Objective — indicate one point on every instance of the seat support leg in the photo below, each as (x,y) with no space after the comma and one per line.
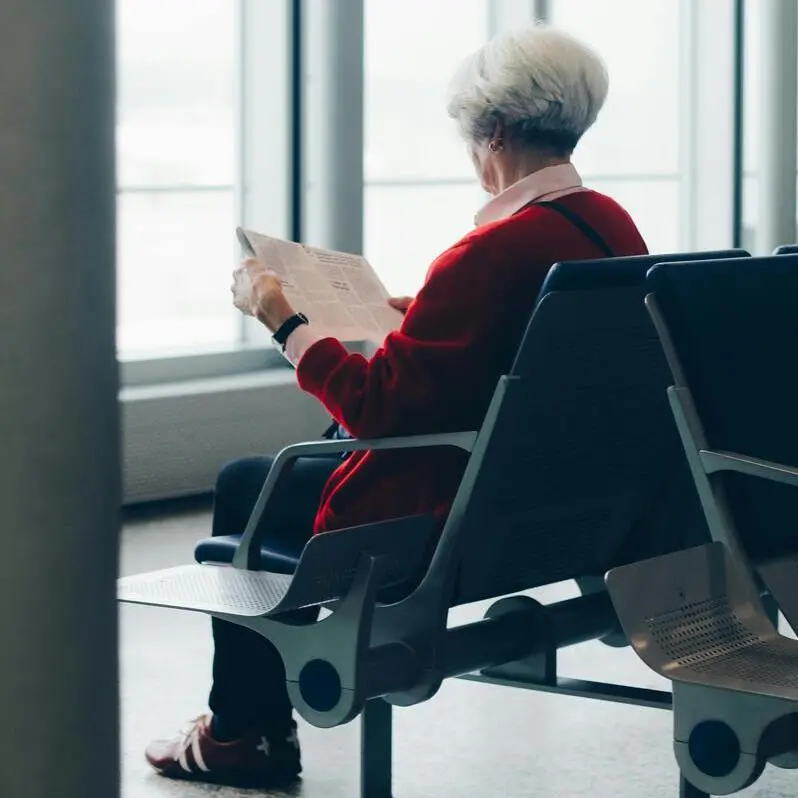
(376,749)
(687,790)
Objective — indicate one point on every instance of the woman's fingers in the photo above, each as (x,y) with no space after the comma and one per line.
(400,303)
(241,289)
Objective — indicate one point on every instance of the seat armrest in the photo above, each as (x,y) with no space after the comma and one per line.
(461,440)
(714,461)
(247,555)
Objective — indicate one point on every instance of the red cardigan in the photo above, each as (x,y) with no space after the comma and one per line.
(437,373)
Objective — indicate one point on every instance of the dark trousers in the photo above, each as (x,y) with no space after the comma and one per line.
(249,689)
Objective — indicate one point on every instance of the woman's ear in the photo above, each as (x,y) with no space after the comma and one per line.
(496,143)
(484,165)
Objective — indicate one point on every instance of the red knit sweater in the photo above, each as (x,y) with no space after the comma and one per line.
(437,373)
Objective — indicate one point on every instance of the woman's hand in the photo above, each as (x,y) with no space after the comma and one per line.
(258,292)
(400,303)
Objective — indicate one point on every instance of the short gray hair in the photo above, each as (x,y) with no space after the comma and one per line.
(543,87)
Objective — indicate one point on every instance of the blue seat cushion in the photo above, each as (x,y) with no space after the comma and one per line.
(276,560)
(274,557)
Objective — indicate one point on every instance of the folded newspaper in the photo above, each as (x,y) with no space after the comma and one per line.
(341,294)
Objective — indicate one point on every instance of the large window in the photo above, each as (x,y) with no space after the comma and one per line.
(176,134)
(633,153)
(194,160)
(421,192)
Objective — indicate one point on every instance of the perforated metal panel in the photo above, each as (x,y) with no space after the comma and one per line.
(693,617)
(708,637)
(325,572)
(207,588)
(699,631)
(773,662)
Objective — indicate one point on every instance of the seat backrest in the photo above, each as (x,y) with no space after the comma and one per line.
(786,249)
(580,275)
(734,327)
(579,467)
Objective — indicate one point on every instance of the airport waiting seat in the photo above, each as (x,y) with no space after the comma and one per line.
(786,249)
(281,557)
(730,332)
(577,468)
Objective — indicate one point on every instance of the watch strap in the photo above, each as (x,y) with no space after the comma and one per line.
(287,327)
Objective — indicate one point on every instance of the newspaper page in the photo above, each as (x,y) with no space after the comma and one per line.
(341,294)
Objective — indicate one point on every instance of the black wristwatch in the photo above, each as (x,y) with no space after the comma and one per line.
(287,327)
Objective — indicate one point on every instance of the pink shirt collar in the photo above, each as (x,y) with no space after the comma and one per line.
(548,183)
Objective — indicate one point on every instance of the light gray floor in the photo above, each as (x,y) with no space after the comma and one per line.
(470,739)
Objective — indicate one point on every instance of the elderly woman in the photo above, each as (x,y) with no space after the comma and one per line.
(522,103)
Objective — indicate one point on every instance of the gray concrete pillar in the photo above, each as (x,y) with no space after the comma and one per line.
(779,97)
(59,472)
(332,124)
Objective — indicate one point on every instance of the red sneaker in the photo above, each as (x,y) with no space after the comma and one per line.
(255,760)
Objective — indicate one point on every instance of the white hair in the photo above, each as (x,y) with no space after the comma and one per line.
(542,86)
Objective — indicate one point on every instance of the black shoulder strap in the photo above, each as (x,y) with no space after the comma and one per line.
(579,222)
